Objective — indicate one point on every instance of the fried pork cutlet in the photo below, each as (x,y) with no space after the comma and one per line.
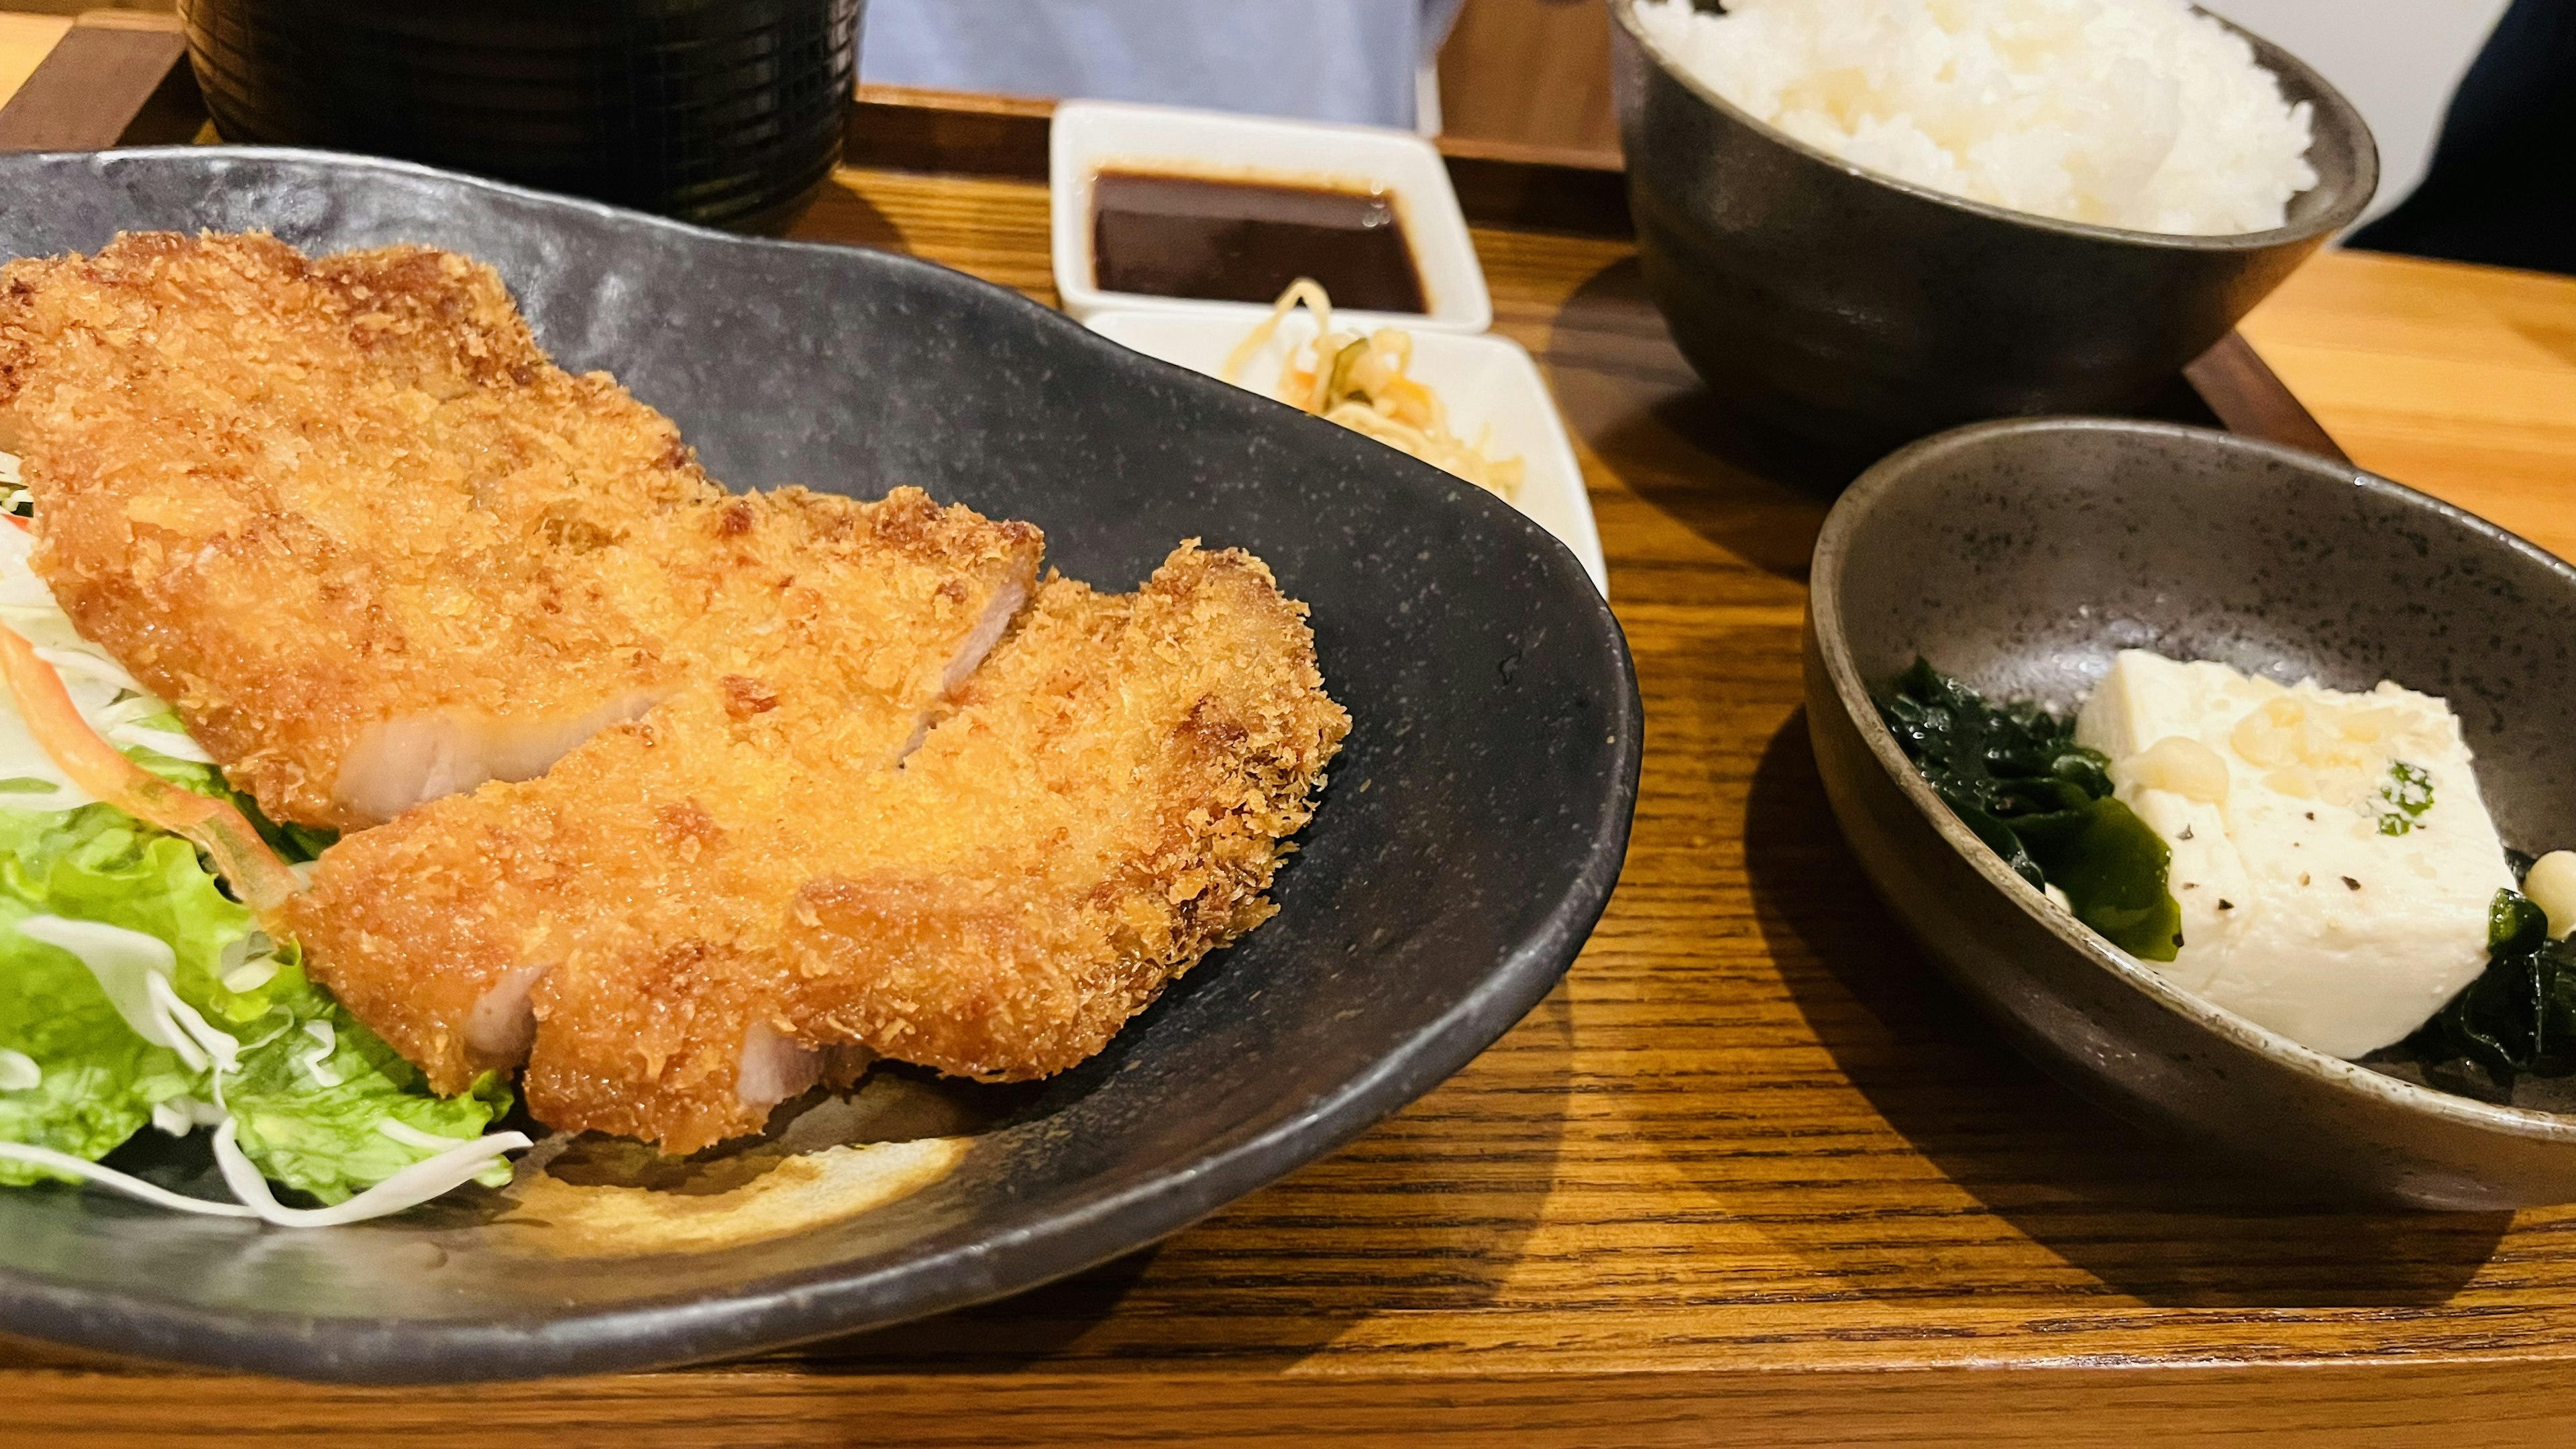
(658,826)
(343,513)
(831,630)
(706,908)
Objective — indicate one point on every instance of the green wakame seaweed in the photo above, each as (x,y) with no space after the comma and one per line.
(2014,775)
(2519,1017)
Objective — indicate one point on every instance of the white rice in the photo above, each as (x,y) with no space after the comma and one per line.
(2131,113)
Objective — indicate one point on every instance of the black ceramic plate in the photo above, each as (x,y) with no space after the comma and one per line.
(1469,839)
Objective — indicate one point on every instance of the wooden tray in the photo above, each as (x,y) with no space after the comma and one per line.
(1750,1176)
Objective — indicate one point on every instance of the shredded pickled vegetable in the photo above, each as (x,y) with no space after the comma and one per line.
(1365,384)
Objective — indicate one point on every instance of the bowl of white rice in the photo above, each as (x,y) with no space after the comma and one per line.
(1867,220)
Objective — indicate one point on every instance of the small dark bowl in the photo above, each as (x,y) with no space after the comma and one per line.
(2020,556)
(727,113)
(1474,826)
(1844,305)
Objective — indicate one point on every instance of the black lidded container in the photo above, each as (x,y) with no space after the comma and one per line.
(727,113)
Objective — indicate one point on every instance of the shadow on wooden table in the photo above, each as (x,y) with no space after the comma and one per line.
(1627,394)
(2160,1221)
(1290,1269)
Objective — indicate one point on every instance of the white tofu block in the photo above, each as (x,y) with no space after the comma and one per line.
(2305,907)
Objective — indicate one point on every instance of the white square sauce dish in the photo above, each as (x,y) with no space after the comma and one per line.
(1203,206)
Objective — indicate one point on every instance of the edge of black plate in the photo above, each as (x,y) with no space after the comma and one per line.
(777,1312)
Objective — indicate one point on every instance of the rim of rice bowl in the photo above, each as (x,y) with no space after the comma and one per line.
(2283,65)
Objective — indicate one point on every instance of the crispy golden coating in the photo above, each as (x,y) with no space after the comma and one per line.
(304,500)
(1104,804)
(829,634)
(466,930)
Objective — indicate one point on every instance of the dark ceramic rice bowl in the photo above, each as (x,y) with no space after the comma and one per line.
(1830,300)
(1476,821)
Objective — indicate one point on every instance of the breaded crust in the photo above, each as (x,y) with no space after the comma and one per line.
(301,498)
(829,634)
(1105,806)
(1104,802)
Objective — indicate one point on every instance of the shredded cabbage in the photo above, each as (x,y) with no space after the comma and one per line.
(115,953)
(135,993)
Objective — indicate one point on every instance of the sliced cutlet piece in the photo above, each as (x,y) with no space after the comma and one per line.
(1105,804)
(826,633)
(688,833)
(343,513)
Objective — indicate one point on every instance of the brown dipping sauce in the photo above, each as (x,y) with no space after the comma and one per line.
(1245,241)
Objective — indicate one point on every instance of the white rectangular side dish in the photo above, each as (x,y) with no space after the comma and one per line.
(1482,381)
(1089,136)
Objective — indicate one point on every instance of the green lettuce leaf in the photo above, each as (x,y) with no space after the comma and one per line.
(312,1115)
(98,863)
(100,1081)
(309,1119)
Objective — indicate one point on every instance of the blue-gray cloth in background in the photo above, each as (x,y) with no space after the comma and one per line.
(1325,60)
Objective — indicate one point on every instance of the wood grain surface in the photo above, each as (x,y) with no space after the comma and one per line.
(124,68)
(1750,1176)
(25,41)
(2459,380)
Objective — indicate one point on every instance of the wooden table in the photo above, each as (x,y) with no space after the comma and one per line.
(1750,1175)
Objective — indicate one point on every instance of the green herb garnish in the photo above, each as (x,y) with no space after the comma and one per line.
(2015,776)
(2404,799)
